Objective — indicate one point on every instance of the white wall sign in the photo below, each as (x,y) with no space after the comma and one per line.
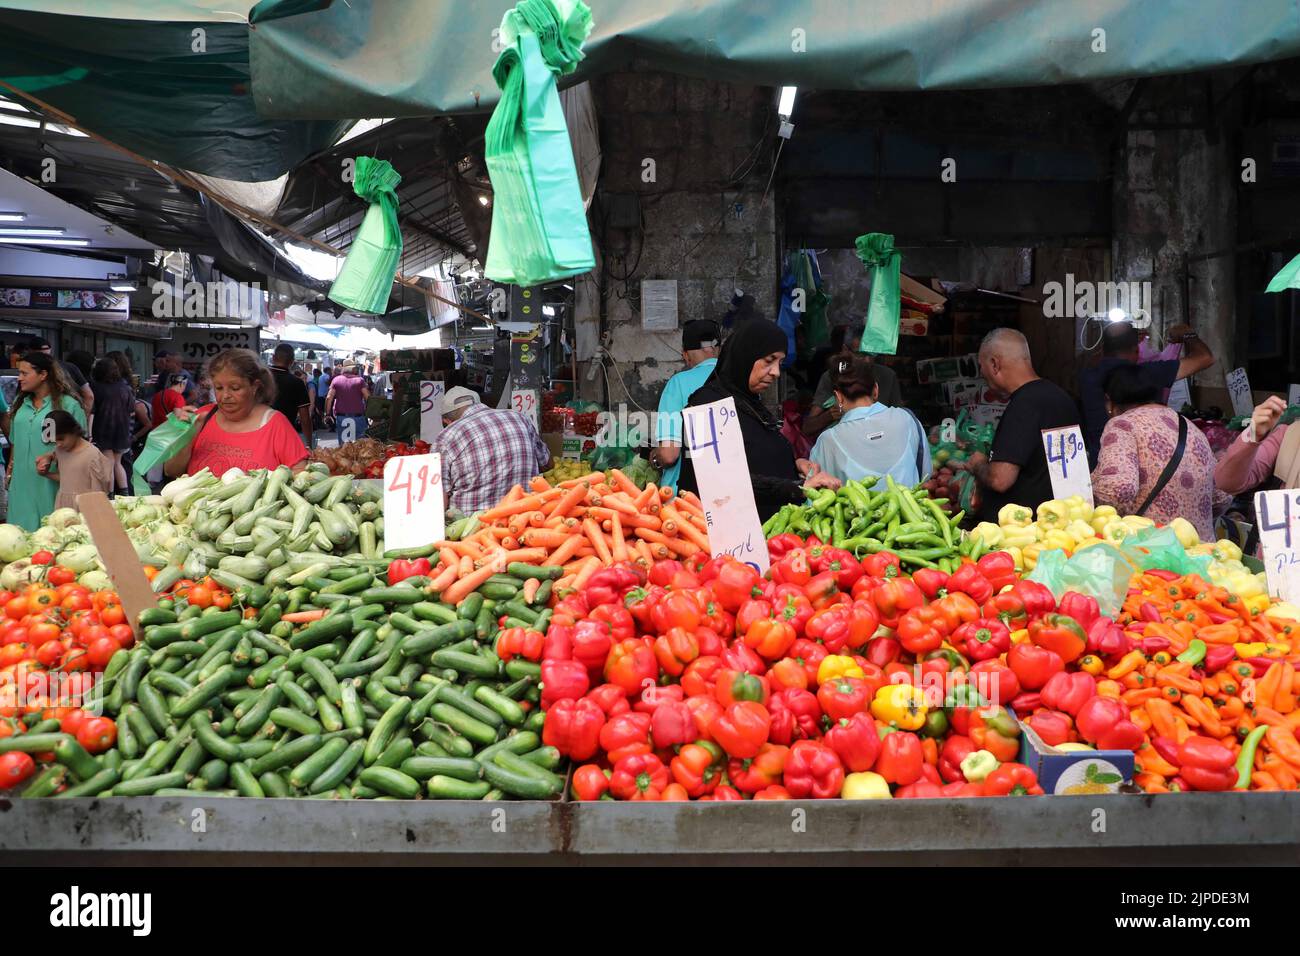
(722,472)
(1067,462)
(414,513)
(1239,392)
(431,410)
(1278,513)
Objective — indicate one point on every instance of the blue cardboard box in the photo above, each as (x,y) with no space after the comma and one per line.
(1074,772)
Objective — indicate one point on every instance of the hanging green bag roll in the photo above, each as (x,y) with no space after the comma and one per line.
(366,279)
(876,250)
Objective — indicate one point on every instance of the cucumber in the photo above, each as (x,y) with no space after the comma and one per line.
(140,725)
(289,753)
(469,608)
(521,742)
(328,714)
(475,730)
(383,731)
(395,753)
(338,770)
(190,759)
(211,776)
(272,784)
(104,780)
(423,768)
(76,758)
(424,641)
(430,749)
(49,781)
(498,591)
(507,709)
(436,613)
(337,624)
(324,678)
(543,572)
(294,694)
(209,623)
(463,702)
(470,664)
(448,739)
(213,742)
(359,645)
(295,720)
(517,784)
(309,769)
(144,786)
(547,758)
(517,764)
(392,782)
(350,706)
(260,712)
(442,787)
(155,615)
(244,781)
(204,691)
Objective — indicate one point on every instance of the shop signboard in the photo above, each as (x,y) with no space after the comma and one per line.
(195,346)
(718,455)
(527,402)
(526,360)
(102,302)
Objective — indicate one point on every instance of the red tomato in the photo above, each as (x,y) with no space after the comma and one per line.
(43,631)
(124,636)
(73,720)
(97,734)
(12,654)
(76,601)
(81,620)
(50,653)
(102,599)
(222,600)
(59,576)
(43,557)
(93,632)
(40,599)
(6,597)
(11,632)
(15,768)
(100,650)
(16,609)
(77,685)
(201,596)
(112,615)
(75,660)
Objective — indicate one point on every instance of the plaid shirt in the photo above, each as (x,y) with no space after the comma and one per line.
(485,453)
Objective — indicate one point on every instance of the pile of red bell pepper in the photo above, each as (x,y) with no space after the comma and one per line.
(706,681)
(397,450)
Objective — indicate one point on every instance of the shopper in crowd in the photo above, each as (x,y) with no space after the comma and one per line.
(241,430)
(84,363)
(166,363)
(1153,462)
(871,439)
(75,466)
(80,385)
(345,403)
(485,451)
(749,364)
(322,389)
(1265,456)
(170,395)
(1015,470)
(111,426)
(1119,346)
(42,388)
(291,397)
(825,412)
(701,340)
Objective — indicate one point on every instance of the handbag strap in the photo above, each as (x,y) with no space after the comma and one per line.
(1170,468)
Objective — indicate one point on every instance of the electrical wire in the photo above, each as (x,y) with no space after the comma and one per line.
(602,351)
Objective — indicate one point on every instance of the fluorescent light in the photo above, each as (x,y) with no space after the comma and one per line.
(120,283)
(32,230)
(12,216)
(33,241)
(481,328)
(548,310)
(1117,315)
(19,121)
(785,106)
(11,105)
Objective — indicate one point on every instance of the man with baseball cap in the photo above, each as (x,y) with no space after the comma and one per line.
(485,451)
(701,340)
(73,374)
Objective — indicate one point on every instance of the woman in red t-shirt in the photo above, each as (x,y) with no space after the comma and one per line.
(241,430)
(169,396)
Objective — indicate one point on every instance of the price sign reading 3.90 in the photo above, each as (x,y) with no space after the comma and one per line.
(413,505)
(1067,462)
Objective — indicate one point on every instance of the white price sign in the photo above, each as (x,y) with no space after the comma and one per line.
(431,410)
(1293,395)
(1067,462)
(1179,395)
(1239,392)
(414,514)
(718,454)
(526,402)
(1278,514)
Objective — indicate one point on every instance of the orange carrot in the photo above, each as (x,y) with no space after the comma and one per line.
(587,571)
(643,549)
(624,483)
(597,539)
(303,617)
(514,494)
(530,589)
(666,493)
(643,499)
(539,484)
(544,538)
(569,501)
(566,549)
(466,565)
(468,584)
(527,556)
(447,556)
(619,549)
(618,503)
(512,506)
(536,519)
(445,578)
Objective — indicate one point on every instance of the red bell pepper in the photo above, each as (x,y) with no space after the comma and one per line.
(787,672)
(969,580)
(963,788)
(956,609)
(895,598)
(713,616)
(400,570)
(844,566)
(843,697)
(654,696)
(742,728)
(617,618)
(996,682)
(674,650)
(955,749)
(700,676)
(999,569)
(792,568)
(882,564)
(805,709)
(672,724)
(1038,598)
(922,629)
(675,609)
(1107,639)
(813,770)
(774,792)
(733,584)
(723,792)
(592,641)
(782,544)
(590,782)
(522,642)
(750,613)
(573,728)
(1206,764)
(770,638)
(630,665)
(1081,607)
(1007,607)
(901,758)
(789,604)
(705,710)
(639,777)
(1033,665)
(843,626)
(696,767)
(640,603)
(1026,703)
(883,650)
(982,639)
(1052,726)
(922,789)
(1012,780)
(610,698)
(562,680)
(625,735)
(1218,657)
(1104,722)
(1069,692)
(855,741)
(608,585)
(710,642)
(932,582)
(558,645)
(810,654)
(740,658)
(733,686)
(759,772)
(569,610)
(994,729)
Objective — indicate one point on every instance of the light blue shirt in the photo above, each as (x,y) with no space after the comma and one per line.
(668,423)
(877,440)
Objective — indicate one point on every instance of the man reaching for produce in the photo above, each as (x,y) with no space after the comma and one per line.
(485,451)
(700,341)
(1015,471)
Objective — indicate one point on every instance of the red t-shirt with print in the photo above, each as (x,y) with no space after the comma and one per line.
(274,444)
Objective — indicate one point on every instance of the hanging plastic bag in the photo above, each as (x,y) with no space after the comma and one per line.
(1100,571)
(539,225)
(1158,548)
(876,250)
(366,279)
(163,444)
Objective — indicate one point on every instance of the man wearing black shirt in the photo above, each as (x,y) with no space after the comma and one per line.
(291,398)
(80,387)
(1015,470)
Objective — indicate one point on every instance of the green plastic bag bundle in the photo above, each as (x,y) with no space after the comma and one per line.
(163,443)
(366,278)
(1158,548)
(539,225)
(817,327)
(876,250)
(1102,572)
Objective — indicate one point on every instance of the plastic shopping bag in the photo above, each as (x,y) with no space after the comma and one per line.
(1100,571)
(163,443)
(876,250)
(366,279)
(1158,548)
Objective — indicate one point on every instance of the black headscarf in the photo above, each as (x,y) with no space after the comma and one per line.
(750,341)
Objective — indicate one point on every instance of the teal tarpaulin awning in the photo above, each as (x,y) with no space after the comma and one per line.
(411,57)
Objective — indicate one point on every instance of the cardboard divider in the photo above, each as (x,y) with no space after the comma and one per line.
(1074,772)
(118,554)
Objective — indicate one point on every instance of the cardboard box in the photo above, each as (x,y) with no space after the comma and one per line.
(1074,772)
(118,554)
(913,326)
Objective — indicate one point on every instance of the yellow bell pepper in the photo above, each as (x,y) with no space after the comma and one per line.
(1021,636)
(1021,537)
(1227,551)
(1115,531)
(1016,555)
(865,786)
(1137,522)
(1031,556)
(1080,530)
(837,665)
(1102,516)
(1015,516)
(899,704)
(1185,531)
(1053,514)
(1281,611)
(1078,508)
(1088,543)
(1091,664)
(991,534)
(1253,649)
(1057,538)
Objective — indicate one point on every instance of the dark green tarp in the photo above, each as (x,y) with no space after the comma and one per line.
(141,83)
(408,57)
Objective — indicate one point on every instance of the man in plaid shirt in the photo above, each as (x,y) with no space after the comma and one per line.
(485,451)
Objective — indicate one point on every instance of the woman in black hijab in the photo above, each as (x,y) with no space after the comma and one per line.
(751,362)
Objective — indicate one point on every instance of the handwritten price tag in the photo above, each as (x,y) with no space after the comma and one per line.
(431,410)
(413,508)
(526,402)
(1067,462)
(718,456)
(1278,513)
(1239,391)
(1179,395)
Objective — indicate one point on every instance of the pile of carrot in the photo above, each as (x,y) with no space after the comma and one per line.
(1174,700)
(581,525)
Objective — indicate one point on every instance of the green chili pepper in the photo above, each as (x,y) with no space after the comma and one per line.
(1246,759)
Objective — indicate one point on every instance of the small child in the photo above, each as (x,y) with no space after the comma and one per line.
(81,467)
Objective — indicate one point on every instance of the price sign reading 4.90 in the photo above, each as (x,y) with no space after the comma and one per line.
(1278,513)
(1067,462)
(413,506)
